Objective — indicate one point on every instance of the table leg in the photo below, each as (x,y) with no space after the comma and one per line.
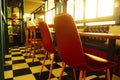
(111,49)
(111,52)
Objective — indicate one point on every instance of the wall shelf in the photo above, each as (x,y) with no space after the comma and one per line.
(15,21)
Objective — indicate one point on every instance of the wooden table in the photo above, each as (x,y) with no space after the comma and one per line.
(111,44)
(101,35)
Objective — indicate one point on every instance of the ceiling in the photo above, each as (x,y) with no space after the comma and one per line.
(29,5)
(32,5)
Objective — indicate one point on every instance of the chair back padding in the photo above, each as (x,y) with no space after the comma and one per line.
(68,41)
(46,36)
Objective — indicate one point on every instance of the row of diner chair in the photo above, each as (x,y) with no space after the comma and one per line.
(32,41)
(69,48)
(46,41)
(65,48)
(49,48)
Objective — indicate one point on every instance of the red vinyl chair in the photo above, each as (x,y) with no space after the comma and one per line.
(71,52)
(27,39)
(34,42)
(47,42)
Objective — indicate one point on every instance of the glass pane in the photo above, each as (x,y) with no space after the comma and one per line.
(46,8)
(78,9)
(51,4)
(70,7)
(105,8)
(49,16)
(91,6)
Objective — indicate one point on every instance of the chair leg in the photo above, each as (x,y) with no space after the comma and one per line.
(35,48)
(63,67)
(52,59)
(43,62)
(74,72)
(108,74)
(81,75)
(30,50)
(84,75)
(26,49)
(39,48)
(33,56)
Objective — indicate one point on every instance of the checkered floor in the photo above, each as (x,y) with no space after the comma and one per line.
(18,66)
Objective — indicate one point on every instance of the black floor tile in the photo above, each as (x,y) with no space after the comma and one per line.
(9,79)
(7,59)
(67,77)
(43,76)
(14,55)
(9,67)
(31,64)
(55,66)
(18,61)
(20,72)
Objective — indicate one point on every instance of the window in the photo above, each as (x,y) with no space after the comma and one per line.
(50,11)
(51,4)
(99,8)
(93,9)
(50,16)
(46,6)
(70,7)
(105,8)
(79,9)
(91,6)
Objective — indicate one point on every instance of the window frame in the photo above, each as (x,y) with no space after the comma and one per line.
(97,18)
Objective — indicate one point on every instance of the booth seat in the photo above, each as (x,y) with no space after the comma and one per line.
(95,42)
(99,46)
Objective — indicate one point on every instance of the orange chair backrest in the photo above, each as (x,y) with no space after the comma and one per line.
(68,41)
(46,36)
